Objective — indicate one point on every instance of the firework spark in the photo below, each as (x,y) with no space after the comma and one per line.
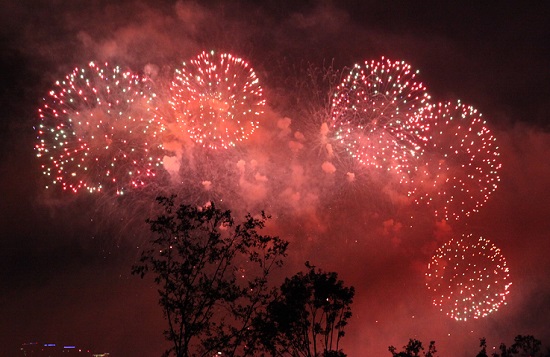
(217,99)
(96,131)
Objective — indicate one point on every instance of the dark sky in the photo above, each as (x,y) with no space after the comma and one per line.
(65,259)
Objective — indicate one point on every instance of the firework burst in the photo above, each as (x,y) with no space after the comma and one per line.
(459,170)
(96,131)
(468,278)
(217,99)
(376,113)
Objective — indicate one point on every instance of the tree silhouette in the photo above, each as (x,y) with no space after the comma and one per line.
(413,349)
(309,316)
(483,345)
(523,346)
(212,277)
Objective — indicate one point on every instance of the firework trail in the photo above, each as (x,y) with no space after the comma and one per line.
(96,131)
(377,115)
(217,99)
(468,278)
(459,169)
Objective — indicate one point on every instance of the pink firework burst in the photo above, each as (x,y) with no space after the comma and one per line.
(377,115)
(468,277)
(460,166)
(217,99)
(96,131)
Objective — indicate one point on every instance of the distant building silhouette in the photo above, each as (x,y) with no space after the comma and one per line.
(36,349)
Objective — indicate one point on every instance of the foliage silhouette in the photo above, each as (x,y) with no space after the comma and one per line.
(309,316)
(523,346)
(413,349)
(212,277)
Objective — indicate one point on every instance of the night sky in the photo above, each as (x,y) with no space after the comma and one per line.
(65,259)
